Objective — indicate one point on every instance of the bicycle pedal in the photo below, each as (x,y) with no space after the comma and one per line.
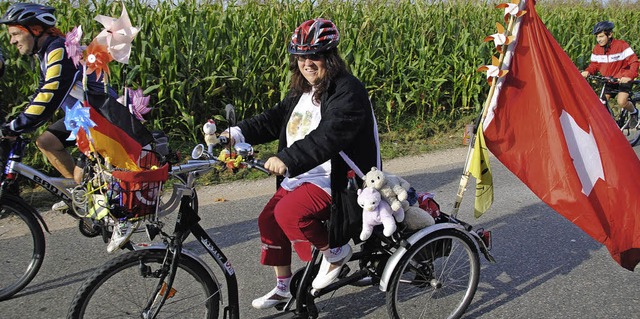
(344,271)
(283,306)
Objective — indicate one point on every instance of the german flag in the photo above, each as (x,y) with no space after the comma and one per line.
(117,135)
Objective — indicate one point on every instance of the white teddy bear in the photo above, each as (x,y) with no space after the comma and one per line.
(392,188)
(376,211)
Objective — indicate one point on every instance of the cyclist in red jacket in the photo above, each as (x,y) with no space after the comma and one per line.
(615,58)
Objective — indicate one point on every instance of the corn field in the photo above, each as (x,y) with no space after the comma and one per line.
(418,58)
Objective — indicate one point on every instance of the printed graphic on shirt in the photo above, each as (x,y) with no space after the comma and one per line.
(304,119)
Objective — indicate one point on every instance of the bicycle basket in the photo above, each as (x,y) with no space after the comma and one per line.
(135,194)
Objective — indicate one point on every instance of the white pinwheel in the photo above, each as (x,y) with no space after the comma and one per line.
(117,35)
(511,9)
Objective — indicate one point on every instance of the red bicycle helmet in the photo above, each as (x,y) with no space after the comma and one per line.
(28,14)
(314,36)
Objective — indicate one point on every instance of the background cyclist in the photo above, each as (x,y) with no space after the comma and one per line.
(32,30)
(614,58)
(1,63)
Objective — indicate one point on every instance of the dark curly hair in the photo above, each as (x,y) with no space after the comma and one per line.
(335,66)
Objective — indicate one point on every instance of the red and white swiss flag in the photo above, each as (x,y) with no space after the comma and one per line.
(547,125)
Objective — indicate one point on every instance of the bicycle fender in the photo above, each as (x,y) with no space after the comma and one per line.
(186,252)
(18,200)
(393,261)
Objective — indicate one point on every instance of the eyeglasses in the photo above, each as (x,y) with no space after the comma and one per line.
(312,57)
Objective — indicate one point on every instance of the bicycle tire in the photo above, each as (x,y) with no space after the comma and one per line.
(23,245)
(629,127)
(118,289)
(436,278)
(634,141)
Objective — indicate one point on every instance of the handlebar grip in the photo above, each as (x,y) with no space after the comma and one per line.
(259,165)
(259,162)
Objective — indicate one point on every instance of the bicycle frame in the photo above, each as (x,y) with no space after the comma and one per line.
(188,223)
(56,185)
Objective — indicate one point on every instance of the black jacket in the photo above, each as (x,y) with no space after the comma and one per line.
(346,125)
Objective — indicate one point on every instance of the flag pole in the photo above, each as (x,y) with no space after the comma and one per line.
(464,178)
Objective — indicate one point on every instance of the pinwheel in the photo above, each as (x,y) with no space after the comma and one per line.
(73,46)
(97,58)
(511,9)
(117,35)
(139,103)
(76,118)
(500,39)
(493,70)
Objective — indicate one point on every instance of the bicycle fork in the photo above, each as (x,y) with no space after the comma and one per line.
(164,290)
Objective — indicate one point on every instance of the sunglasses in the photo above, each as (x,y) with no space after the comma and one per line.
(312,57)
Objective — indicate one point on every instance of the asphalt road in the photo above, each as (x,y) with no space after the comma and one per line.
(546,266)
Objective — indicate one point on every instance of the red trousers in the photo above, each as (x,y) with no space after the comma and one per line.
(294,218)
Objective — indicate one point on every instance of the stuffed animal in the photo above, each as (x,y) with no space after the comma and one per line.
(376,211)
(416,218)
(209,130)
(392,188)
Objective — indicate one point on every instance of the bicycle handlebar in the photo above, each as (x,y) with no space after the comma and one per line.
(607,79)
(207,161)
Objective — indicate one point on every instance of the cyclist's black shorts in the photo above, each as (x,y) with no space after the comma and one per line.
(60,131)
(615,88)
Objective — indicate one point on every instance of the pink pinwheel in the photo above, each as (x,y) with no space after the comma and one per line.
(139,103)
(73,46)
(117,35)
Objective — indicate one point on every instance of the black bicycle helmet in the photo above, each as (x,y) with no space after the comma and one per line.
(28,14)
(314,36)
(606,26)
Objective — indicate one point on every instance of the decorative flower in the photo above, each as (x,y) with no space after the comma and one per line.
(76,118)
(500,39)
(138,103)
(117,35)
(97,58)
(511,9)
(493,70)
(73,46)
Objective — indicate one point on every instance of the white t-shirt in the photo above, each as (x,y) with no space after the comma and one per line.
(304,119)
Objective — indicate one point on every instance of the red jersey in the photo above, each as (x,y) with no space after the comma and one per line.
(617,61)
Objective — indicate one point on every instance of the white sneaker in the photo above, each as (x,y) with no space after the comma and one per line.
(271,299)
(60,206)
(341,256)
(122,231)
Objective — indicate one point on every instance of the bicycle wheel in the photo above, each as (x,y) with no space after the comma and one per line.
(23,245)
(123,286)
(629,126)
(436,278)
